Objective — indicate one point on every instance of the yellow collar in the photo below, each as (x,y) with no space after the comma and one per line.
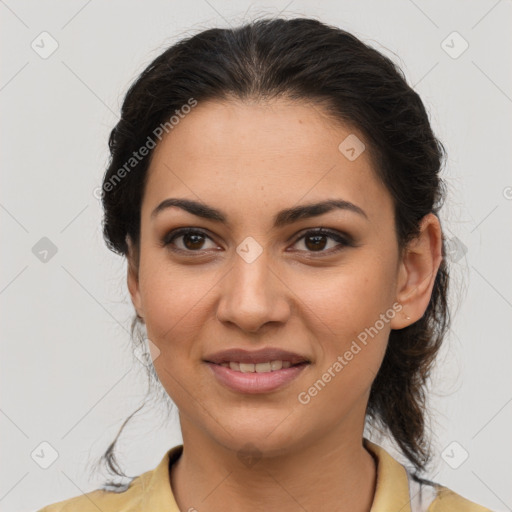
(392,489)
(391,493)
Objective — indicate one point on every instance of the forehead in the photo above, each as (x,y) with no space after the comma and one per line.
(253,155)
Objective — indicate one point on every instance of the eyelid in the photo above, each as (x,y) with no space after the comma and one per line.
(176,233)
(342,238)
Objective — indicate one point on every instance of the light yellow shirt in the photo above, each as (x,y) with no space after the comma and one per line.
(395,491)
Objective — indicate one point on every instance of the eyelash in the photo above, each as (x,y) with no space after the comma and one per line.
(344,240)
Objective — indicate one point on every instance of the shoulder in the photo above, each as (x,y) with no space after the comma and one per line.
(149,491)
(447,500)
(428,496)
(102,499)
(398,485)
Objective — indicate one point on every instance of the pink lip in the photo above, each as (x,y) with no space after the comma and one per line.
(255,382)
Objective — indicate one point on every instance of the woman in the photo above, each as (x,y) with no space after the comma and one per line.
(275,189)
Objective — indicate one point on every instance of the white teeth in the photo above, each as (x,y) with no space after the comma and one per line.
(247,367)
(262,367)
(269,366)
(276,365)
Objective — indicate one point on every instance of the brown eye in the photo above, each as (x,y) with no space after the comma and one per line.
(192,240)
(314,242)
(317,240)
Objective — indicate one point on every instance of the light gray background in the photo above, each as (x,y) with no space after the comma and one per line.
(67,373)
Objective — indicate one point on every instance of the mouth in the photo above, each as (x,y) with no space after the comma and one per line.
(259,371)
(265,356)
(265,367)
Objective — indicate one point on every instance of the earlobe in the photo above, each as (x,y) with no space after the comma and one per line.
(418,269)
(132,278)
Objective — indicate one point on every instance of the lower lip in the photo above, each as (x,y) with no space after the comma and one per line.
(254,382)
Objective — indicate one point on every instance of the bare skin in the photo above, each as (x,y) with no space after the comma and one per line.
(251,160)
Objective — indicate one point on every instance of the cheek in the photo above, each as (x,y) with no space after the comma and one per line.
(175,310)
(175,301)
(348,314)
(349,299)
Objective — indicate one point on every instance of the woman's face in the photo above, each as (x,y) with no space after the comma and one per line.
(262,278)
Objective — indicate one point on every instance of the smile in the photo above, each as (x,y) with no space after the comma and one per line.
(252,378)
(269,366)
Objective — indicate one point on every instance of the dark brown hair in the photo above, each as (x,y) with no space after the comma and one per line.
(304,59)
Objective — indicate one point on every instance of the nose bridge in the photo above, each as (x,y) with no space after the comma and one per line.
(250,293)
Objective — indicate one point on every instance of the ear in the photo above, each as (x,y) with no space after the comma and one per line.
(133,277)
(417,272)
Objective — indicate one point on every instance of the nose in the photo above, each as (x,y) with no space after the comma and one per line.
(253,295)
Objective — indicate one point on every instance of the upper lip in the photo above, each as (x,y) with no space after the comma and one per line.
(255,356)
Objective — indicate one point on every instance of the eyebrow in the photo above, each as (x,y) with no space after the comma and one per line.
(282,218)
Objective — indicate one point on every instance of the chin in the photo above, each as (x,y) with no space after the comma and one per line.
(261,437)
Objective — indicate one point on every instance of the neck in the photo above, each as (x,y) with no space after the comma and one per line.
(332,472)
